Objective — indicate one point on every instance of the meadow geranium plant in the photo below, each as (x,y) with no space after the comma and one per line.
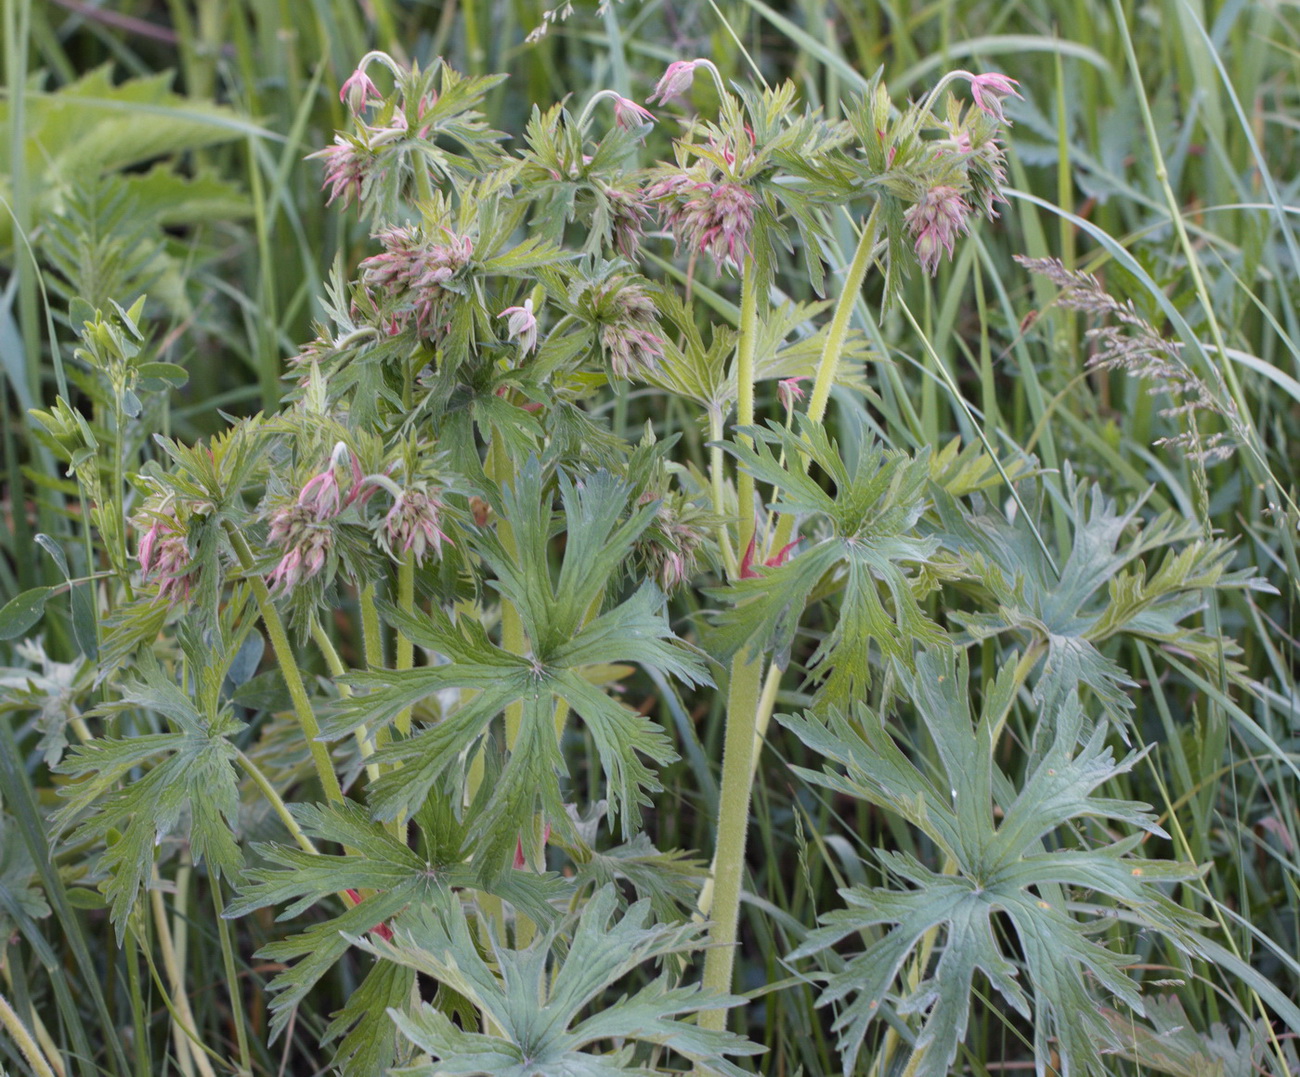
(366,656)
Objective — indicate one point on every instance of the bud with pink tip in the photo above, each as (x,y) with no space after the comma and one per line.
(358,91)
(677,79)
(522,325)
(789,391)
(629,115)
(988,90)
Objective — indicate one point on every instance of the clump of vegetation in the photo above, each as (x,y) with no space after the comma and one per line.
(444,687)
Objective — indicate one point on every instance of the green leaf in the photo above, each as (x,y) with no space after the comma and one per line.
(23,611)
(401,884)
(563,640)
(997,861)
(536,998)
(192,776)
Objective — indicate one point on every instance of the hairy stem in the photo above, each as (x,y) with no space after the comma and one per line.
(26,1044)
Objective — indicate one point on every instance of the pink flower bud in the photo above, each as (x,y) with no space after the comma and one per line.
(989,90)
(629,115)
(788,391)
(522,325)
(358,91)
(677,79)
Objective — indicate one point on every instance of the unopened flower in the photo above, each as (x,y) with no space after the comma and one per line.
(414,270)
(672,543)
(164,556)
(627,319)
(346,163)
(411,526)
(788,391)
(321,495)
(306,542)
(358,91)
(707,217)
(937,218)
(629,115)
(989,90)
(677,79)
(522,325)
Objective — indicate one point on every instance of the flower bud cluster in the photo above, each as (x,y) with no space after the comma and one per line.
(415,271)
(706,216)
(412,526)
(164,555)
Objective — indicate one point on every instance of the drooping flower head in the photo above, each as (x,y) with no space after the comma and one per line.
(676,80)
(412,525)
(989,91)
(629,115)
(935,221)
(415,270)
(305,542)
(706,216)
(627,324)
(164,556)
(358,91)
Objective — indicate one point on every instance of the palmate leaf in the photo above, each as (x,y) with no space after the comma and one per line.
(195,778)
(547,1005)
(997,862)
(553,614)
(400,882)
(1103,590)
(872,512)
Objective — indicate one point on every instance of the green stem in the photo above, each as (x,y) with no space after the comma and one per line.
(372,636)
(744,697)
(863,257)
(749,286)
(288,665)
(733,824)
(716,469)
(232,984)
(405,658)
(276,801)
(833,345)
(337,670)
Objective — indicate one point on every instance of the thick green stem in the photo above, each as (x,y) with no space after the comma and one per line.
(743,699)
(288,666)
